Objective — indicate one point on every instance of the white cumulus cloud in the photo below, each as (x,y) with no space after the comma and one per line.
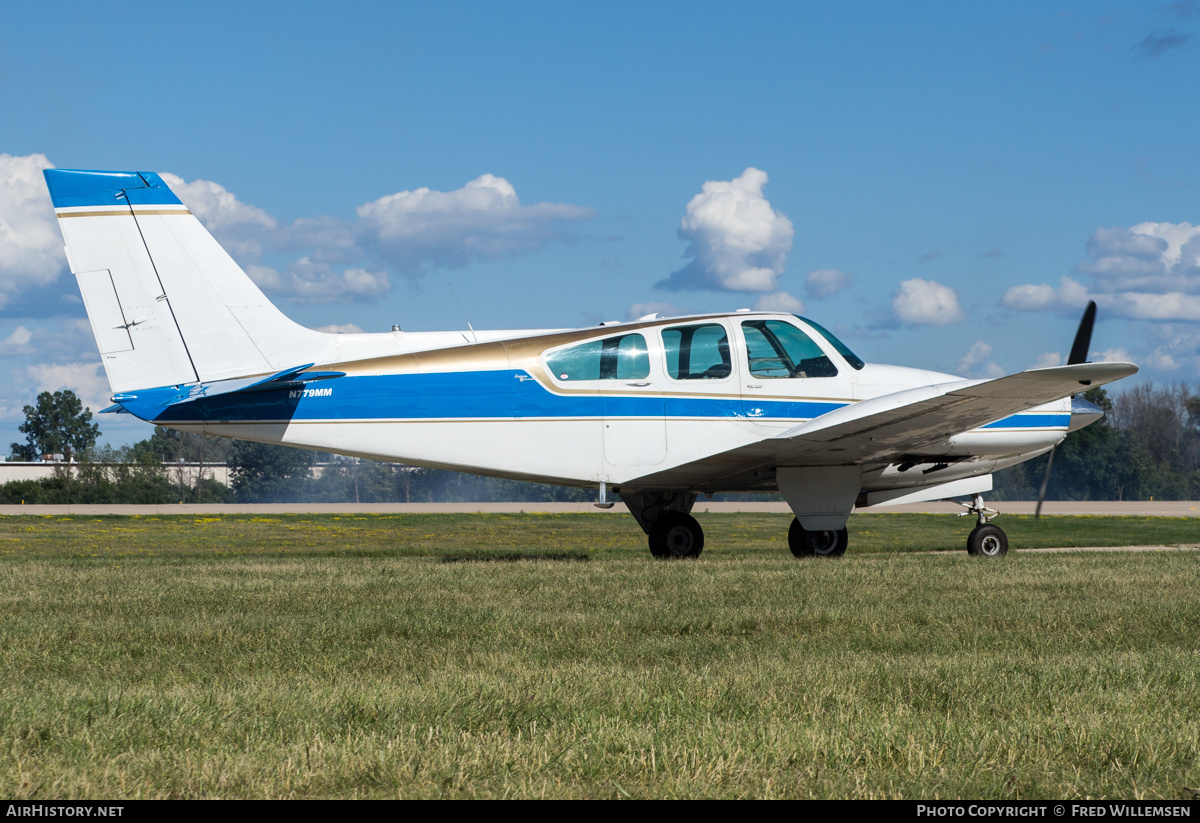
(340,328)
(306,281)
(241,228)
(404,233)
(87,380)
(1150,271)
(927,303)
(824,282)
(61,339)
(1143,306)
(1070,294)
(1175,346)
(978,352)
(977,363)
(31,247)
(218,207)
(737,242)
(1117,355)
(779,301)
(639,310)
(417,229)
(17,342)
(1161,360)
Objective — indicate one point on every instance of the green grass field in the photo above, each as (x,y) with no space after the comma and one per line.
(316,656)
(554,536)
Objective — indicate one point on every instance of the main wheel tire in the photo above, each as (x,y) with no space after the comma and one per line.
(987,541)
(828,543)
(676,534)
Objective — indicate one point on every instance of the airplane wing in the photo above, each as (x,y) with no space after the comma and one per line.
(906,422)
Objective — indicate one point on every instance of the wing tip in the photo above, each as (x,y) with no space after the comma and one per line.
(1107,370)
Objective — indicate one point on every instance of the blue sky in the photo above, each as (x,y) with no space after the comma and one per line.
(943,166)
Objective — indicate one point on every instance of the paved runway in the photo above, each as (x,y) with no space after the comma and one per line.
(1185,508)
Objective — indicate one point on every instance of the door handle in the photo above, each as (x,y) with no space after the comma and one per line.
(754,385)
(639,385)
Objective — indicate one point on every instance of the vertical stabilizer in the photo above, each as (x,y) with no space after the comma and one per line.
(167,304)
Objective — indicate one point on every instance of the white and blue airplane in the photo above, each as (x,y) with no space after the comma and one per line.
(657,411)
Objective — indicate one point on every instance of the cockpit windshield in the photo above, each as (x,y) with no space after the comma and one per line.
(851,358)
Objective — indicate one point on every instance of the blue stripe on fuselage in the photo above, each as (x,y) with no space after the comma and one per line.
(1032,421)
(508,394)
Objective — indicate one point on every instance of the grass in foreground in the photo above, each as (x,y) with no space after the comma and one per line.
(747,673)
(482,536)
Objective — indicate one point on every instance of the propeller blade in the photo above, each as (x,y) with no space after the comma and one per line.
(1037,513)
(1079,353)
(1083,337)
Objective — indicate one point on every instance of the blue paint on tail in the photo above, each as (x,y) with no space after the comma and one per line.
(78,187)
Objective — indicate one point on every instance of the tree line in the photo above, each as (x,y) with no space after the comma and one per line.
(1147,446)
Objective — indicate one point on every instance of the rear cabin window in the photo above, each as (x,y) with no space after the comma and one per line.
(697,352)
(778,349)
(614,358)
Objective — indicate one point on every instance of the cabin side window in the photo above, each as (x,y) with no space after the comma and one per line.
(778,349)
(697,352)
(614,358)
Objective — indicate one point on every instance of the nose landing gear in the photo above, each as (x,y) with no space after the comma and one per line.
(985,540)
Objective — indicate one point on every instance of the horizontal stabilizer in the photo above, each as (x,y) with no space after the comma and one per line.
(150,401)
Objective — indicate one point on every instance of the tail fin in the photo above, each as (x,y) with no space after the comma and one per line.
(167,304)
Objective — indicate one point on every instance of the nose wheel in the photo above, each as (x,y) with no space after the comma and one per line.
(985,540)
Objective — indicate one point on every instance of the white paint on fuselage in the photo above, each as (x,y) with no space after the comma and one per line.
(585,451)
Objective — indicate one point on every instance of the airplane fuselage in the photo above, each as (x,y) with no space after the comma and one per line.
(499,407)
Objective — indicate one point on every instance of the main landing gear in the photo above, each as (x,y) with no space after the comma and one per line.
(673,532)
(805,543)
(985,540)
(665,518)
(676,535)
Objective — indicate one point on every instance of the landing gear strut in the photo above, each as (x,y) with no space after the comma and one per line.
(805,543)
(985,540)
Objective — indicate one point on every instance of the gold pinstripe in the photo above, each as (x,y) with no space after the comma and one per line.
(526,353)
(119,213)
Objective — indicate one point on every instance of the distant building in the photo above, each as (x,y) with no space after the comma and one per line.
(11,470)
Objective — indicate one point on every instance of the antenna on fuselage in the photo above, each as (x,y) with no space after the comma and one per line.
(474,339)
